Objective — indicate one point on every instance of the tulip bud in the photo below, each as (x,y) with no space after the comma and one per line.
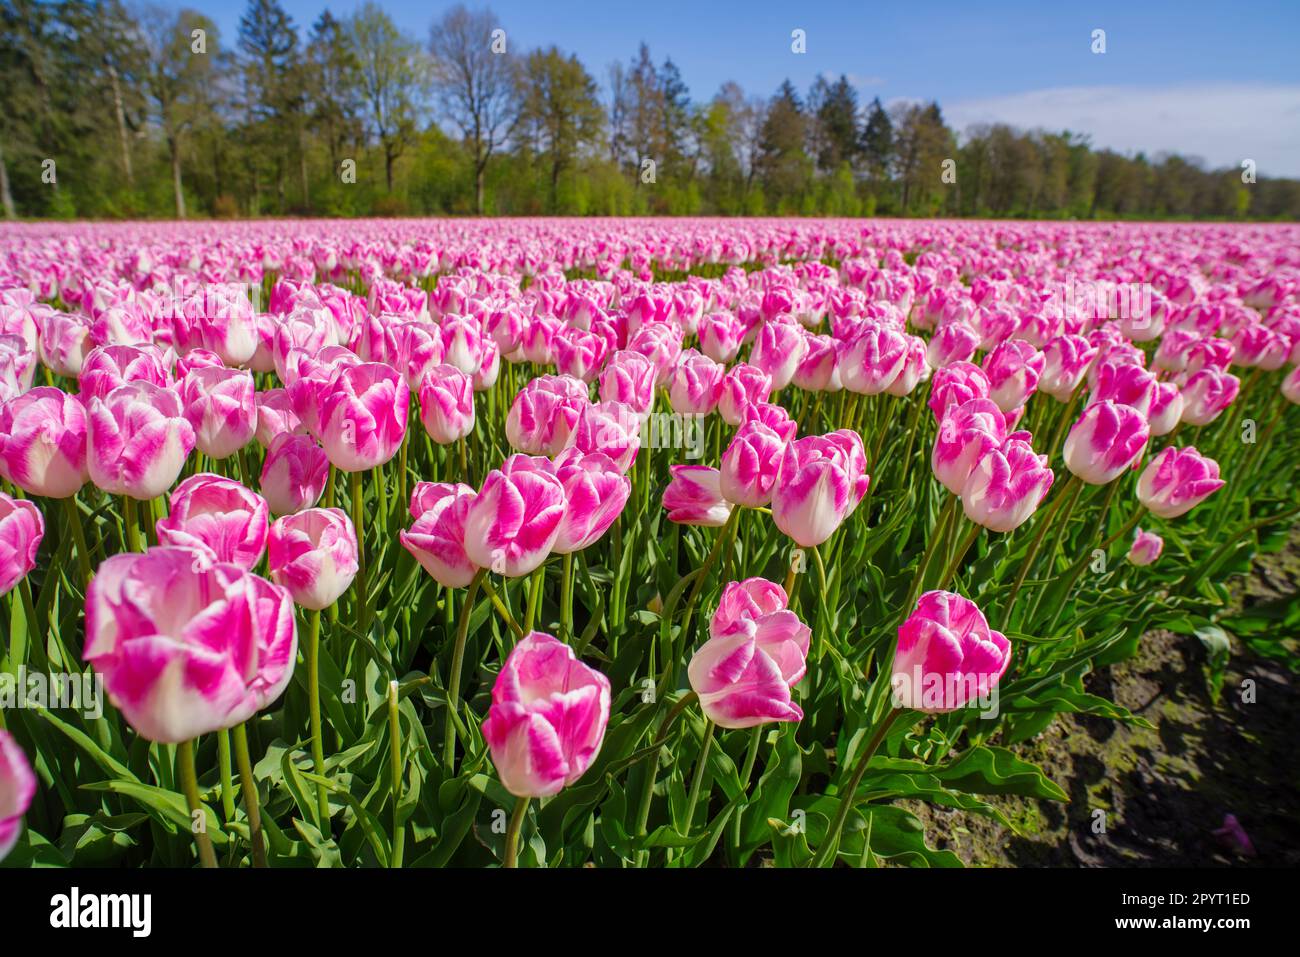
(447,404)
(294,474)
(1006,486)
(219,516)
(21,529)
(1107,439)
(137,440)
(967,433)
(1146,548)
(750,465)
(43,442)
(313,554)
(363,416)
(17,788)
(219,404)
(694,496)
(595,493)
(1177,480)
(947,656)
(821,481)
(513,522)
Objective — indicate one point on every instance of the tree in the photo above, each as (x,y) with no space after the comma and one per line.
(922,143)
(392,81)
(560,110)
(835,112)
(473,75)
(333,79)
(274,88)
(783,165)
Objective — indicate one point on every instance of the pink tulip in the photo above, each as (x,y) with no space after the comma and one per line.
(276,417)
(951,342)
(462,341)
(219,404)
(967,433)
(778,350)
(197,359)
(1006,486)
(1166,408)
(579,354)
(65,342)
(821,481)
(720,336)
(629,377)
(742,385)
(437,539)
(294,473)
(947,656)
(1126,384)
(694,496)
(43,442)
(1258,346)
(313,554)
(818,370)
(363,416)
(187,647)
(914,371)
(1066,360)
(775,417)
(1014,368)
(872,360)
(545,413)
(548,717)
(108,367)
(1146,548)
(21,529)
(219,516)
(696,384)
(955,384)
(514,521)
(447,404)
(231,332)
(17,788)
(307,329)
(757,651)
(1291,386)
(612,428)
(1107,440)
(1206,393)
(750,465)
(595,493)
(661,343)
(137,440)
(1209,353)
(1177,480)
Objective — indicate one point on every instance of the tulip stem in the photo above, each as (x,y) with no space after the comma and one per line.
(78,538)
(1043,523)
(534,597)
(198,814)
(248,784)
(751,756)
(502,610)
(701,768)
(313,705)
(566,599)
(958,555)
(358,520)
(512,833)
(652,770)
(453,679)
(227,776)
(132,523)
(932,547)
(395,755)
(830,846)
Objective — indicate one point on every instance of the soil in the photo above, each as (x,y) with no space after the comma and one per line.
(1163,791)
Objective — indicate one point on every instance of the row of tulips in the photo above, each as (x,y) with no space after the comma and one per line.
(421,565)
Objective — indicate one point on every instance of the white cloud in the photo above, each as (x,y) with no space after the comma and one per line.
(1220,124)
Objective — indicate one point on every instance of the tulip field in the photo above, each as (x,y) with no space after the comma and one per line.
(613,543)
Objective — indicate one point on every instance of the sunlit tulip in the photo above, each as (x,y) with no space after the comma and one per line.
(276,416)
(1166,408)
(21,529)
(437,539)
(956,384)
(17,788)
(595,492)
(778,350)
(1291,386)
(447,404)
(137,440)
(513,522)
(1006,486)
(720,336)
(184,646)
(696,384)
(871,361)
(1126,384)
(43,442)
(578,353)
(219,404)
(1146,548)
(694,496)
(363,416)
(611,428)
(65,342)
(629,378)
(822,479)
(108,367)
(313,554)
(966,434)
(952,342)
(1206,393)
(743,385)
(1105,441)
(218,515)
(548,717)
(818,370)
(545,413)
(1066,360)
(750,465)
(1014,368)
(1177,480)
(946,656)
(294,473)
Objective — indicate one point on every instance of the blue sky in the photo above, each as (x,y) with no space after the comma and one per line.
(1206,79)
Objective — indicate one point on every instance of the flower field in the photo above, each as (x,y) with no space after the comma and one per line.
(614,543)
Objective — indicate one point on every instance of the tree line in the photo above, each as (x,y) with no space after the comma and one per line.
(114,111)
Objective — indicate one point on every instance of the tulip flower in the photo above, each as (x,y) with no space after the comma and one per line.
(818,370)
(462,343)
(720,336)
(694,496)
(313,555)
(1291,386)
(822,479)
(595,493)
(1206,393)
(955,384)
(1124,383)
(548,717)
(1177,480)
(951,342)
(294,474)
(629,378)
(1066,360)
(870,362)
(946,656)
(1107,439)
(1166,408)
(137,439)
(661,343)
(612,428)
(545,413)
(778,350)
(186,647)
(447,404)
(437,539)
(21,529)
(750,465)
(1006,486)
(43,442)
(17,788)
(65,342)
(108,367)
(363,416)
(696,384)
(755,654)
(1146,548)
(276,416)
(514,521)
(219,404)
(742,386)
(578,353)
(1014,368)
(967,433)
(219,516)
